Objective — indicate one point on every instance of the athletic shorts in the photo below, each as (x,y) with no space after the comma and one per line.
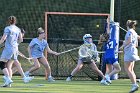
(35,56)
(9,53)
(86,60)
(131,54)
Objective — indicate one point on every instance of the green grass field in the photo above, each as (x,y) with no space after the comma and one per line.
(39,85)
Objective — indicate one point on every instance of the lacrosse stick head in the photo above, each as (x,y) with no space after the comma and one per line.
(83,51)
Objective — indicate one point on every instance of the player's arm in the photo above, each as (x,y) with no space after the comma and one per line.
(3,38)
(29,51)
(125,43)
(51,51)
(32,43)
(6,32)
(138,37)
(20,38)
(100,39)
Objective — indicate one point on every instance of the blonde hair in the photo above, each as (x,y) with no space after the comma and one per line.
(131,23)
(40,30)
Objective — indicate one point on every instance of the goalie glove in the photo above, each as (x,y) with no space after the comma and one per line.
(95,55)
(97,59)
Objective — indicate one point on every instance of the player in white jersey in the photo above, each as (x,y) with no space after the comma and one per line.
(13,36)
(131,53)
(36,51)
(88,40)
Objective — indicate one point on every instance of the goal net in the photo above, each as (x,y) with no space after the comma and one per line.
(65,31)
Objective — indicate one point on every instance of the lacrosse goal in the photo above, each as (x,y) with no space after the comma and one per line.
(65,31)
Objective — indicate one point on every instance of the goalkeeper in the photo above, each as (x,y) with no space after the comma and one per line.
(88,60)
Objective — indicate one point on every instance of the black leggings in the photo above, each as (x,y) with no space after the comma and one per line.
(2,65)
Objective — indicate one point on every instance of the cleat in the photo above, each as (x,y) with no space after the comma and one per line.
(103,82)
(7,81)
(68,79)
(108,79)
(27,79)
(50,79)
(6,85)
(134,88)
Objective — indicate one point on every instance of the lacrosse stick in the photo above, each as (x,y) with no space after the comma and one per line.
(113,23)
(29,59)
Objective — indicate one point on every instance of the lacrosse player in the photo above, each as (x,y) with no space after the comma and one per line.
(36,51)
(12,36)
(130,45)
(87,38)
(111,59)
(110,56)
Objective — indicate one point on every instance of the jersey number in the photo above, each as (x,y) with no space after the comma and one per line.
(110,45)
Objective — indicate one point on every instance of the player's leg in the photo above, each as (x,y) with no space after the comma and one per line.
(108,69)
(95,68)
(5,58)
(6,76)
(76,69)
(116,69)
(45,63)
(132,69)
(14,69)
(20,70)
(130,72)
(134,86)
(34,67)
(9,67)
(128,69)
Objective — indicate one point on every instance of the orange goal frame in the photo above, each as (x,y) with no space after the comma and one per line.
(71,14)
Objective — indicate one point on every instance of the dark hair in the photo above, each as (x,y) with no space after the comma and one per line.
(12,19)
(22,31)
(131,23)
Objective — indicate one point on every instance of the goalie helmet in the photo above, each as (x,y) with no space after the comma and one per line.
(85,37)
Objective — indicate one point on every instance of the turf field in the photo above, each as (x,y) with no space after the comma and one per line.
(39,85)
